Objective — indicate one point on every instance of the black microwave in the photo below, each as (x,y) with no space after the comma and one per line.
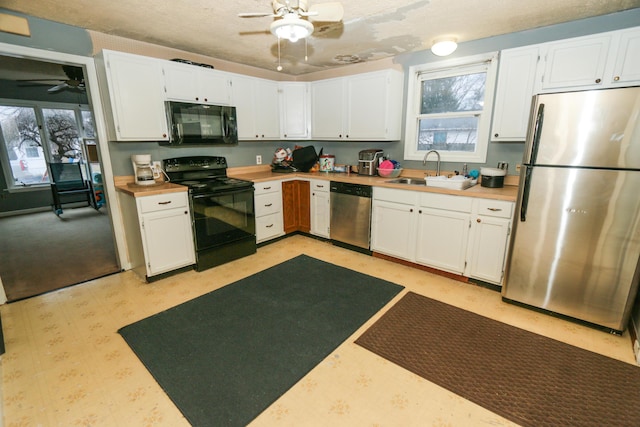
(201,124)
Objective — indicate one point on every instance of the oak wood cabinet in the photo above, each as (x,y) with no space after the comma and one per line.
(296,206)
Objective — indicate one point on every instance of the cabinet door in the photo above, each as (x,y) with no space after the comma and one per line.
(367,106)
(626,70)
(243,98)
(137,97)
(393,228)
(328,109)
(514,90)
(214,87)
(576,63)
(267,115)
(168,240)
(488,248)
(320,213)
(442,239)
(180,82)
(294,110)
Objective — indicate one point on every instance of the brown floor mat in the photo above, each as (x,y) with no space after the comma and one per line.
(527,378)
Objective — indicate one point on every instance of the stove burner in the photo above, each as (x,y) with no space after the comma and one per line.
(194,184)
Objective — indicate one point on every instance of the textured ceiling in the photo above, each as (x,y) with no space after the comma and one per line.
(371,29)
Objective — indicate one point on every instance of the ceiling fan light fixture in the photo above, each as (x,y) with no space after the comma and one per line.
(444,46)
(292,29)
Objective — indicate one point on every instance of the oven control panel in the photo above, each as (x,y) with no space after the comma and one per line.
(194,163)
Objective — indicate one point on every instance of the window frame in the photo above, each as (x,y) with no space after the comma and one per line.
(37,106)
(468,65)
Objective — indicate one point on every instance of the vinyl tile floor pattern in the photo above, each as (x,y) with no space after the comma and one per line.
(66,365)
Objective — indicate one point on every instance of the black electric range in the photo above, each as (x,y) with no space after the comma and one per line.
(222,209)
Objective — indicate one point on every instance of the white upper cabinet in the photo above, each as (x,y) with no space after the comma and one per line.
(600,61)
(191,83)
(516,78)
(294,110)
(328,107)
(257,107)
(578,62)
(361,107)
(135,101)
(626,69)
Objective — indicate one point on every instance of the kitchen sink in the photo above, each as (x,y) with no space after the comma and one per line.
(409,181)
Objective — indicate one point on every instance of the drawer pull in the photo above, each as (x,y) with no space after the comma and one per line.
(495,209)
(320,186)
(266,188)
(164,203)
(268,205)
(270,225)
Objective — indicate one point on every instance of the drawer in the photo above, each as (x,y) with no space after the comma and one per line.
(497,208)
(446,202)
(162,202)
(267,204)
(320,186)
(268,227)
(267,187)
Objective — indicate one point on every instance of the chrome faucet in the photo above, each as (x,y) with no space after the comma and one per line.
(424,161)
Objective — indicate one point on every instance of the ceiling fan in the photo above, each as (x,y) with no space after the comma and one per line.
(75,80)
(292,23)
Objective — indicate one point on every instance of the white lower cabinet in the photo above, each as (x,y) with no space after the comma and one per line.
(320,208)
(457,234)
(443,231)
(490,230)
(268,206)
(159,233)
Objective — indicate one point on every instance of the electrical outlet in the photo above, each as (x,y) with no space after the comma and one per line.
(258,159)
(518,167)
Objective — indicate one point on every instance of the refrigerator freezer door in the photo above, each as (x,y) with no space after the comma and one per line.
(599,128)
(576,252)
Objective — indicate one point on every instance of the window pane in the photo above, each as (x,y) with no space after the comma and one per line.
(448,134)
(453,94)
(21,137)
(87,124)
(62,134)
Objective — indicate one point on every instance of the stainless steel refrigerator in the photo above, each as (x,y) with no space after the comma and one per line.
(575,248)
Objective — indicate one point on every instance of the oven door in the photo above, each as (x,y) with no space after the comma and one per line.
(223,217)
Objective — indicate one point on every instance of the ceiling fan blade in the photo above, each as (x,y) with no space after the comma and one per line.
(255,15)
(57,88)
(327,12)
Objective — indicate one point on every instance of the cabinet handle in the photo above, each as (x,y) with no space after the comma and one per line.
(206,100)
(164,203)
(197,99)
(411,210)
(598,80)
(478,220)
(186,212)
(616,78)
(164,135)
(495,134)
(320,186)
(494,209)
(270,204)
(270,225)
(420,211)
(266,188)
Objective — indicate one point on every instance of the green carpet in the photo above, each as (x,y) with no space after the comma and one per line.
(226,356)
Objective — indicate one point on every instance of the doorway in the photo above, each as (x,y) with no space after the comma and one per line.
(41,251)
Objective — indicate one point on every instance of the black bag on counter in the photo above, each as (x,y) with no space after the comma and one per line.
(304,158)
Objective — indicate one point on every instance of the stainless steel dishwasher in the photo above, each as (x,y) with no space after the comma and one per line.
(350,221)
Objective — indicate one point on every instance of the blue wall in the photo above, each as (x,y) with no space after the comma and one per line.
(54,36)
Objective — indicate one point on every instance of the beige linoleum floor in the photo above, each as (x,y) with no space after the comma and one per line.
(65,364)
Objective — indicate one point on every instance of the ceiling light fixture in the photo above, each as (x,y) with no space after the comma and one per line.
(444,46)
(292,28)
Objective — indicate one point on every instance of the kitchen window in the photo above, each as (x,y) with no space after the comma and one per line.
(33,135)
(449,106)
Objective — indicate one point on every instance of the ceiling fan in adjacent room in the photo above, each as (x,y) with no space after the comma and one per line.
(74,81)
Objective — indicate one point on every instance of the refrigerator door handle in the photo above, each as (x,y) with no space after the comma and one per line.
(535,143)
(525,193)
